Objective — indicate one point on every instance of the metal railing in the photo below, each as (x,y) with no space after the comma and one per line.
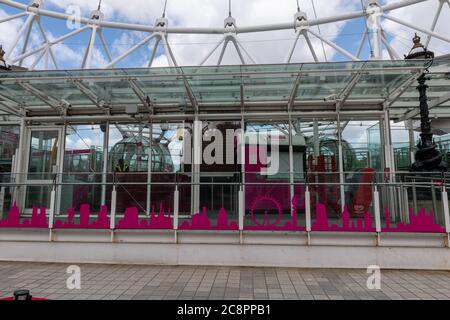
(251,200)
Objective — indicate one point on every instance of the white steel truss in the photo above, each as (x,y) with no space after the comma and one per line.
(159,33)
(156,41)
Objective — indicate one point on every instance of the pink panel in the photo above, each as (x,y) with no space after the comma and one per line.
(422,222)
(322,223)
(38,219)
(200,221)
(131,220)
(102,221)
(291,225)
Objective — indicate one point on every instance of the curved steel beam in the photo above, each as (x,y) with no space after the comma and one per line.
(198,30)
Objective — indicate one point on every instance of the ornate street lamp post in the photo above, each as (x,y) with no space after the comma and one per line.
(428,158)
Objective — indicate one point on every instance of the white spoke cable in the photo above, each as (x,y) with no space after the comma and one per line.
(19,15)
(212,51)
(245,51)
(154,51)
(129,51)
(19,34)
(27,38)
(415,27)
(41,28)
(44,46)
(105,47)
(334,46)
(361,44)
(435,20)
(318,29)
(311,47)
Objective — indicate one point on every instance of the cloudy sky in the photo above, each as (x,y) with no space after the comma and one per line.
(267,47)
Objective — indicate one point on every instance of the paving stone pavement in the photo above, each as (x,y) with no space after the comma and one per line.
(125,282)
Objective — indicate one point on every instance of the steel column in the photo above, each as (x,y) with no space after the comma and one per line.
(89,50)
(105,162)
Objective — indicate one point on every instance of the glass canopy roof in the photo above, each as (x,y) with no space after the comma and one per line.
(317,84)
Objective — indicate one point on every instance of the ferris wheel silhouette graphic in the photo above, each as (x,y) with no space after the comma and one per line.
(265,200)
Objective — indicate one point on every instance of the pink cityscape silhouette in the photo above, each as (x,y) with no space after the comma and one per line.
(322,223)
(420,223)
(102,221)
(131,220)
(277,225)
(38,219)
(423,222)
(201,221)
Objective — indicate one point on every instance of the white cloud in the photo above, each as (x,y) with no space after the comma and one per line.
(8,29)
(114,136)
(68,55)
(420,15)
(160,61)
(72,143)
(98,59)
(84,137)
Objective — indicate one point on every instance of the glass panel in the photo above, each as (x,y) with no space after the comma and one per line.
(218,205)
(9,142)
(326,81)
(140,192)
(265,84)
(185,197)
(261,83)
(131,198)
(43,154)
(268,195)
(209,86)
(81,190)
(128,163)
(383,80)
(167,162)
(129,148)
(413,205)
(214,189)
(358,145)
(322,173)
(42,164)
(38,196)
(375,146)
(404,149)
(13,217)
(6,203)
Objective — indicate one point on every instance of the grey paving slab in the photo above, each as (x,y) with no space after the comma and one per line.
(128,282)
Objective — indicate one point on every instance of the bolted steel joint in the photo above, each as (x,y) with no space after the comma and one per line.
(96,16)
(230,22)
(161,23)
(299,18)
(36,4)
